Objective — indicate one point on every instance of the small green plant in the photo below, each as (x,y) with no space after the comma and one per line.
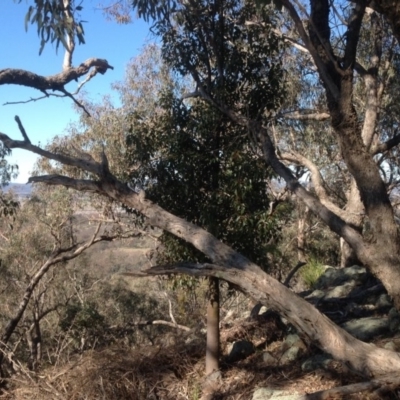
(311,272)
(195,392)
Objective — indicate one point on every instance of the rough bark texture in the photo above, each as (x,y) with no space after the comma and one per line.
(381,253)
(384,261)
(53,82)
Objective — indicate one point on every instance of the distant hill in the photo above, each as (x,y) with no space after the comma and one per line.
(21,190)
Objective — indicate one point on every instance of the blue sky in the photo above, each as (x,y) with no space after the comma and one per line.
(19,49)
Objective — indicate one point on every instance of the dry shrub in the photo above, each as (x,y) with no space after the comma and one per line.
(118,373)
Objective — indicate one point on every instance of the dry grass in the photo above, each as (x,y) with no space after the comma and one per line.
(116,373)
(173,372)
(168,373)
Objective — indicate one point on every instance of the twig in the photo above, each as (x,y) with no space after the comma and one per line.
(161,322)
(343,391)
(22,129)
(80,105)
(292,272)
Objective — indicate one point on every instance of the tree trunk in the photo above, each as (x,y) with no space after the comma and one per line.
(34,338)
(212,351)
(382,255)
(231,266)
(302,223)
(348,256)
(366,359)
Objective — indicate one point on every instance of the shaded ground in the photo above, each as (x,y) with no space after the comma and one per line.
(173,373)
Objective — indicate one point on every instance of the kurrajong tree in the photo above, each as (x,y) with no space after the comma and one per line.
(379,251)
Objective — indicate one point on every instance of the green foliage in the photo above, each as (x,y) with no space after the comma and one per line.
(132,305)
(55,22)
(80,318)
(311,272)
(206,173)
(153,9)
(230,51)
(193,160)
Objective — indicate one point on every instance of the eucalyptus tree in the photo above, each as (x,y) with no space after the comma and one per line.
(188,157)
(208,173)
(359,142)
(378,250)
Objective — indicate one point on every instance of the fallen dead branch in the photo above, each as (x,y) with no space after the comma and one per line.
(391,381)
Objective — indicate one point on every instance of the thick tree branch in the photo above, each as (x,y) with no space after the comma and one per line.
(318,183)
(390,9)
(22,130)
(53,82)
(237,269)
(335,223)
(385,146)
(306,318)
(314,54)
(84,164)
(353,35)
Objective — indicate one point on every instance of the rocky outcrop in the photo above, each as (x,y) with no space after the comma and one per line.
(351,297)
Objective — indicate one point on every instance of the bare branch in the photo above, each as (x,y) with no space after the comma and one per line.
(318,183)
(7,103)
(335,223)
(290,40)
(77,184)
(52,82)
(353,35)
(58,255)
(314,54)
(292,272)
(385,146)
(236,268)
(79,104)
(22,129)
(162,322)
(390,9)
(85,165)
(257,285)
(92,73)
(315,116)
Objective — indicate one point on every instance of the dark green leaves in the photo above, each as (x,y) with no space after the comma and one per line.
(154,9)
(230,49)
(55,23)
